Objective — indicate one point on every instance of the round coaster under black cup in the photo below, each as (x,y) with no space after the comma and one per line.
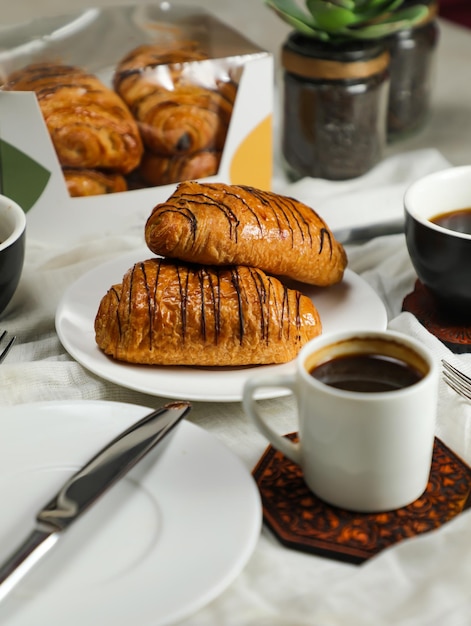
(456,335)
(304,522)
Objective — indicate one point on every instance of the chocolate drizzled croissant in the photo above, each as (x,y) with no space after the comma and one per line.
(168,313)
(89,124)
(221,224)
(176,115)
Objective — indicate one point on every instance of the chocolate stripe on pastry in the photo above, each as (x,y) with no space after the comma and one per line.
(166,313)
(90,126)
(221,224)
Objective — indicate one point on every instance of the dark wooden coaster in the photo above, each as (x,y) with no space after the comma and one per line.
(304,522)
(455,335)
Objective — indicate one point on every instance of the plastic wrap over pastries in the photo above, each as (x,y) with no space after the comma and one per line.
(183,111)
(165,119)
(219,224)
(176,114)
(167,313)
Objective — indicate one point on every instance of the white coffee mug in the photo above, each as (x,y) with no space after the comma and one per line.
(366,451)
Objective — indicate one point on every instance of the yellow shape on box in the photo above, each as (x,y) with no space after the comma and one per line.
(252,161)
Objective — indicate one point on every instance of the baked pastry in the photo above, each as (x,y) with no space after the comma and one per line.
(89,124)
(166,313)
(83,182)
(148,65)
(162,170)
(219,224)
(176,115)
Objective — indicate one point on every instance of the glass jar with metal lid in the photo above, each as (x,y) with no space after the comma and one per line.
(412,72)
(335,99)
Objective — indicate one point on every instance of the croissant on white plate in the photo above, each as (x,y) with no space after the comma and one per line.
(166,313)
(220,224)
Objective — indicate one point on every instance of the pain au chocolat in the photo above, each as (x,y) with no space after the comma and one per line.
(90,125)
(177,112)
(220,224)
(166,313)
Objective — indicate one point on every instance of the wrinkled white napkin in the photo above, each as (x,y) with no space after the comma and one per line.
(424,581)
(374,198)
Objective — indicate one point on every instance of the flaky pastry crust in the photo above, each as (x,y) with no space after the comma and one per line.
(220,224)
(166,313)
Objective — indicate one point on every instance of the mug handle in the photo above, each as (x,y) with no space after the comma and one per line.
(288,448)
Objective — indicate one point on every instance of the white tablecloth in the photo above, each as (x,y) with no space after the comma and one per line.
(425,580)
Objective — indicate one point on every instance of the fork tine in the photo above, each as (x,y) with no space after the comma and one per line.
(7,348)
(459,382)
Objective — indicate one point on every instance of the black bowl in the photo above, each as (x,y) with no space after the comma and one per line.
(12,248)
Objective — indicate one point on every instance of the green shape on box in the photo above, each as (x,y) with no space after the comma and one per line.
(21,178)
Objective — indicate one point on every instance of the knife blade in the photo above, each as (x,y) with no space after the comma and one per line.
(86,486)
(361,234)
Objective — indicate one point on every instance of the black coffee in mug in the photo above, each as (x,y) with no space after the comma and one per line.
(459,220)
(366,372)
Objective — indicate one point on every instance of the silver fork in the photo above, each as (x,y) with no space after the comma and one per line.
(458,381)
(5,348)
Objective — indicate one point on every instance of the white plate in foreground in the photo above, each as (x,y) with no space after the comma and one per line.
(352,304)
(162,543)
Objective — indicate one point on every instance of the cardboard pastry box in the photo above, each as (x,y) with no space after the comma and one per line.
(97,40)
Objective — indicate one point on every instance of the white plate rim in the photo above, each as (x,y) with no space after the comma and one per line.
(76,312)
(244,505)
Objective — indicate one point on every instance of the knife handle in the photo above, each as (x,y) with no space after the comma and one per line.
(18,564)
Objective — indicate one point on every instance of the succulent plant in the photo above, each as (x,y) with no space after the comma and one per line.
(340,20)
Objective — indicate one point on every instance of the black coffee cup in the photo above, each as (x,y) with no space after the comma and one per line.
(436,206)
(12,248)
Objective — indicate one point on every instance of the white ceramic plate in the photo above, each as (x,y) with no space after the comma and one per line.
(166,540)
(351,304)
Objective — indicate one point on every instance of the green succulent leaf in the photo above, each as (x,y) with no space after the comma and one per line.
(378,8)
(330,17)
(400,20)
(289,12)
(337,20)
(345,4)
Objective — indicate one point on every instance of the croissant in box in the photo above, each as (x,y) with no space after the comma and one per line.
(162,170)
(176,114)
(90,126)
(166,313)
(221,224)
(83,182)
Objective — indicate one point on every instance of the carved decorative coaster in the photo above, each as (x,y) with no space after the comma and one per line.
(456,336)
(304,522)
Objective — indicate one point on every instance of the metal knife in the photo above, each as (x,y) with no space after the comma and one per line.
(83,489)
(361,234)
